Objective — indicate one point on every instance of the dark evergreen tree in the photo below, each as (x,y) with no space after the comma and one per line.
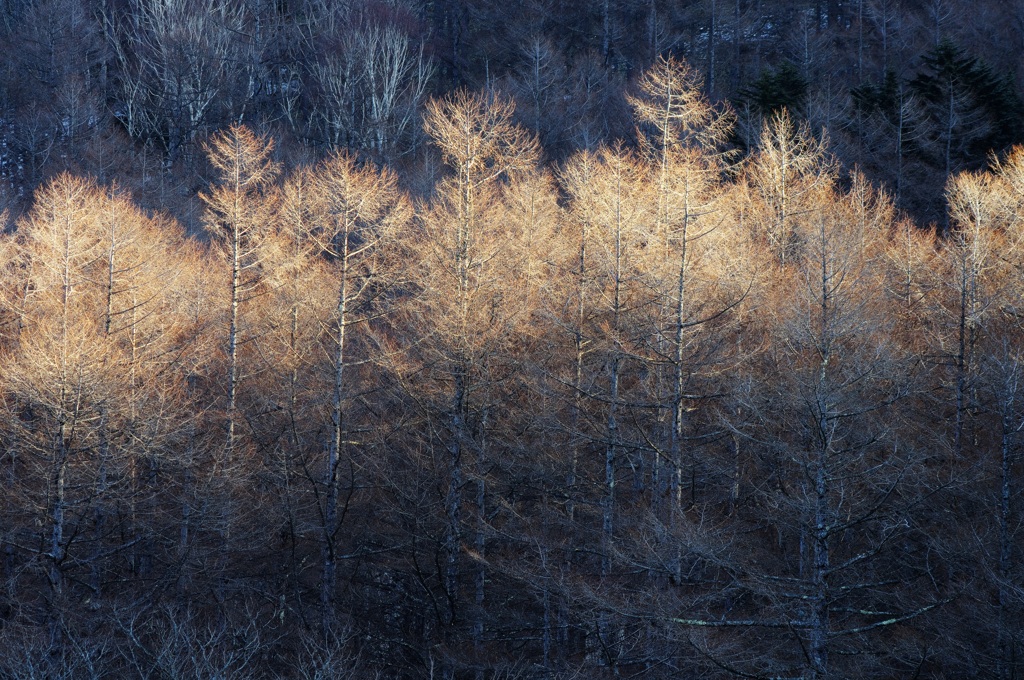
(777,88)
(971,109)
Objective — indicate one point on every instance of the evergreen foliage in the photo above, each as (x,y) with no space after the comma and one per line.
(778,88)
(968,102)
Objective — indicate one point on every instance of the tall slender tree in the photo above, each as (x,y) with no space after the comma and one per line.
(468,286)
(361,215)
(239,217)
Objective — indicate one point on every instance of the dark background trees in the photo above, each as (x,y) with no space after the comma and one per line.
(910,91)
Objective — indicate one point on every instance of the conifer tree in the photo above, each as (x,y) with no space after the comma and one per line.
(239,217)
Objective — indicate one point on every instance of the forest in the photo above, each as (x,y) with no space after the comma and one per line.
(460,339)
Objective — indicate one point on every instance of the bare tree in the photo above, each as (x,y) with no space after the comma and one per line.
(790,167)
(468,291)
(176,59)
(975,205)
(66,373)
(371,85)
(684,150)
(92,378)
(239,217)
(361,211)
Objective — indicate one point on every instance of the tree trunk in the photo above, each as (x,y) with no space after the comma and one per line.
(328,551)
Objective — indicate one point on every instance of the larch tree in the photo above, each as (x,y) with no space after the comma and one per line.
(576,306)
(468,289)
(789,170)
(240,208)
(289,390)
(63,380)
(360,216)
(533,373)
(610,202)
(976,203)
(294,308)
(985,244)
(63,370)
(94,383)
(197,299)
(683,146)
(843,494)
(141,321)
(239,218)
